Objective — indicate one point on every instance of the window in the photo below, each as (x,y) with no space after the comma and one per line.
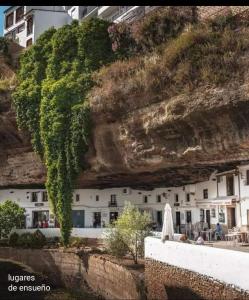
(20,28)
(9,20)
(97,197)
(247,177)
(205,194)
(34,197)
(113,199)
(158,198)
(202,216)
(213,213)
(176,198)
(29,43)
(11,35)
(145,199)
(77,198)
(188,216)
(230,185)
(44,196)
(187,197)
(19,13)
(30,25)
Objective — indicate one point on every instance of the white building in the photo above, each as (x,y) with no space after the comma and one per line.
(224,198)
(25,24)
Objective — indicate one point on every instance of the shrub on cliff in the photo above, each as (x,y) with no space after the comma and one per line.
(127,234)
(51,103)
(198,57)
(158,27)
(11,216)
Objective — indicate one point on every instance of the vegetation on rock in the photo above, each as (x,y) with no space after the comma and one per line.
(50,101)
(204,54)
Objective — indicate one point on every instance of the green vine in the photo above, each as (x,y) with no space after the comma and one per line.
(51,102)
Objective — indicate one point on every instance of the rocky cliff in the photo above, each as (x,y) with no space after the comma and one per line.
(145,140)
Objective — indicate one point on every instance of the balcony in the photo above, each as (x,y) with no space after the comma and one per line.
(89,11)
(112,204)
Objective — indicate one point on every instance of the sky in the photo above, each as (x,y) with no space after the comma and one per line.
(2,9)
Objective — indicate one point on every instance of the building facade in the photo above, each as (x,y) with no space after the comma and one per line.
(24,24)
(224,198)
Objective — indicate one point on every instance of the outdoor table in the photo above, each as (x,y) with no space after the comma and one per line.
(244,236)
(208,234)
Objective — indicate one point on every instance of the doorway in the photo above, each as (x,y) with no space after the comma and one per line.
(208,218)
(159,218)
(230,185)
(178,221)
(78,218)
(113,216)
(248,217)
(97,219)
(231,220)
(40,216)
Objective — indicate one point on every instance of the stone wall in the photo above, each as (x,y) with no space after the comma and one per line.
(68,269)
(164,281)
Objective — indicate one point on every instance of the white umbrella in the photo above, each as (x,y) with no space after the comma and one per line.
(168,228)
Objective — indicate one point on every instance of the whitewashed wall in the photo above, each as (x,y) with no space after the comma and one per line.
(230,267)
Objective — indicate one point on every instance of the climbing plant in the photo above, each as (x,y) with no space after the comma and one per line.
(51,102)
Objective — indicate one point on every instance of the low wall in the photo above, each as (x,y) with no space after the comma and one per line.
(68,269)
(95,233)
(193,268)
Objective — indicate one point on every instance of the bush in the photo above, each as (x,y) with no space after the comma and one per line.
(13,239)
(25,240)
(127,234)
(3,46)
(115,244)
(11,216)
(38,239)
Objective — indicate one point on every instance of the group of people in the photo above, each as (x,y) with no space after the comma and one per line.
(200,241)
(42,224)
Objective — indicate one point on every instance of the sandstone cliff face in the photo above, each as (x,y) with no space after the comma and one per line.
(140,141)
(173,142)
(18,164)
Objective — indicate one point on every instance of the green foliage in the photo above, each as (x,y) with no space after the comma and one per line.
(13,239)
(25,240)
(3,46)
(156,28)
(11,216)
(34,240)
(38,239)
(51,102)
(127,234)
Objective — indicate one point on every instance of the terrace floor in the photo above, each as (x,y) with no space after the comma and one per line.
(228,245)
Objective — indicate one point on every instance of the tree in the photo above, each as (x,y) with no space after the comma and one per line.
(11,216)
(128,232)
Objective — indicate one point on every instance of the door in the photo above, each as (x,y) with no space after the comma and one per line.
(188,216)
(113,216)
(159,217)
(230,185)
(231,222)
(97,219)
(208,218)
(178,221)
(78,218)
